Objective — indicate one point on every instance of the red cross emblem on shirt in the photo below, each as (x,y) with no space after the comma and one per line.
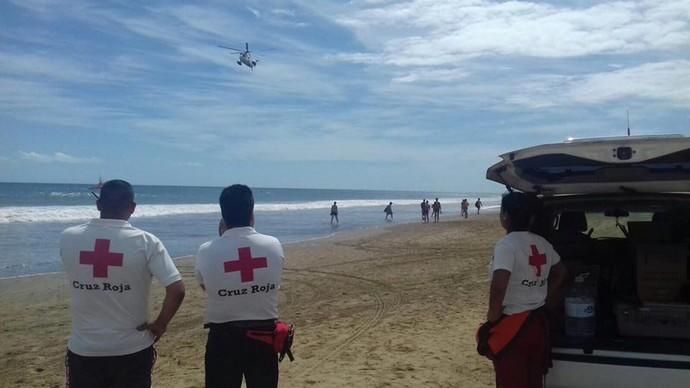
(246,264)
(537,259)
(100,258)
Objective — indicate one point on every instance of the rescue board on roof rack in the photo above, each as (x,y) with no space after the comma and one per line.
(654,164)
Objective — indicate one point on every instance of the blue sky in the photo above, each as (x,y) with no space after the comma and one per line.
(420,94)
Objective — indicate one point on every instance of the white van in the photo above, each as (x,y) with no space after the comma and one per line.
(618,211)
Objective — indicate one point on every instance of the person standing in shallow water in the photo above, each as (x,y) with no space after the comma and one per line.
(478,204)
(464,208)
(527,276)
(110,264)
(334,213)
(437,210)
(389,211)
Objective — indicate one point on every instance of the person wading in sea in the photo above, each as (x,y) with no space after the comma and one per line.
(334,213)
(389,211)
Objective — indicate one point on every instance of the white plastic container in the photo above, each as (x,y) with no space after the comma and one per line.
(580,306)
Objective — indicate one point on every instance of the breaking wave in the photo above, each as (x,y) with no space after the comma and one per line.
(68,195)
(49,214)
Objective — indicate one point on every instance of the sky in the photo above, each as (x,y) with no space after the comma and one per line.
(370,94)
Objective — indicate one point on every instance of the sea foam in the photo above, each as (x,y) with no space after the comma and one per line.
(67,214)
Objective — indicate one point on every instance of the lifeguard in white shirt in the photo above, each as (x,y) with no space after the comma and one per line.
(241,273)
(526,274)
(109,265)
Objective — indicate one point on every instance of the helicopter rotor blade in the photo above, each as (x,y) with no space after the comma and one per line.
(229,48)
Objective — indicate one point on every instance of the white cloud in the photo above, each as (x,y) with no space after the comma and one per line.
(667,81)
(514,55)
(43,102)
(285,18)
(35,66)
(57,157)
(362,58)
(431,75)
(283,12)
(38,6)
(443,32)
(207,20)
(255,11)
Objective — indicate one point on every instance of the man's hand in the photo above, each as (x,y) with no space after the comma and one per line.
(156,329)
(174,294)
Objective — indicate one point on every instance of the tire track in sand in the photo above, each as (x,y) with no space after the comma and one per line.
(311,289)
(381,309)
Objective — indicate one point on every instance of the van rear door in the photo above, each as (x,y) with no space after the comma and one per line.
(659,164)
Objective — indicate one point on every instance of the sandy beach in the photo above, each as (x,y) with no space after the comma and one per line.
(396,307)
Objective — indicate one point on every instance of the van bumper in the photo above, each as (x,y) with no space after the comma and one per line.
(609,369)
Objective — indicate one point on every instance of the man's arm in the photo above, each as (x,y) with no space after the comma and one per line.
(197,271)
(557,281)
(174,295)
(200,279)
(497,293)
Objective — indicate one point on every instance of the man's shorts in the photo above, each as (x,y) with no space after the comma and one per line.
(128,371)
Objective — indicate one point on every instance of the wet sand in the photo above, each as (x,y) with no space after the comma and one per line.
(396,307)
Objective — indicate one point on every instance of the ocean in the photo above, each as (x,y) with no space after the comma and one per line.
(32,215)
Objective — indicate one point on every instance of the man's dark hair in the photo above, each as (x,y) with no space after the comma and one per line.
(116,196)
(521,208)
(237,205)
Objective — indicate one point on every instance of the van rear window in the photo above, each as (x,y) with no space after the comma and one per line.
(605,227)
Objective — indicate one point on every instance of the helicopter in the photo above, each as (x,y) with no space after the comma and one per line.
(245,56)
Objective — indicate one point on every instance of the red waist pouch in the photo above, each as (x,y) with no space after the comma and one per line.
(493,338)
(281,338)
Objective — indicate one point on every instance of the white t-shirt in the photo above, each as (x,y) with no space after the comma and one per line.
(109,265)
(241,272)
(529,258)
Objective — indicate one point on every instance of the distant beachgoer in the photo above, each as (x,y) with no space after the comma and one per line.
(389,211)
(428,208)
(334,213)
(437,210)
(478,204)
(110,265)
(424,212)
(464,208)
